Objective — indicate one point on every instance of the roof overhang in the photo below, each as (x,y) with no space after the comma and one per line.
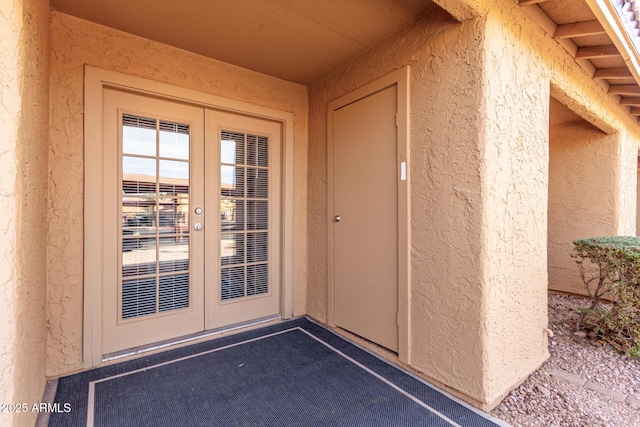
(602,36)
(618,23)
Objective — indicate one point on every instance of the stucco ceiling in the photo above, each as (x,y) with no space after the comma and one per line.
(294,40)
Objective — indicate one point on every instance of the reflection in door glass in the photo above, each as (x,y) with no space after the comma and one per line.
(232,181)
(244,212)
(138,135)
(232,148)
(138,175)
(155,213)
(231,215)
(232,249)
(174,140)
(139,256)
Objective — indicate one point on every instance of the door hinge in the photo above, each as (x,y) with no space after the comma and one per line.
(396,119)
(397,319)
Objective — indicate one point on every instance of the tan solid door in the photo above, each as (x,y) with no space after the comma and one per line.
(192,232)
(365,255)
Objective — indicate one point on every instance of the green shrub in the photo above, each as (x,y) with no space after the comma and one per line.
(610,268)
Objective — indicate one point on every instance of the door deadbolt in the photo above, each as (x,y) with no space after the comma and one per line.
(198,211)
(336,218)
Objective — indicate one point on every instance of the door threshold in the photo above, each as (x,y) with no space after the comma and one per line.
(135,351)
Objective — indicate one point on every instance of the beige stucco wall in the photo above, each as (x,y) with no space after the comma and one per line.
(515,179)
(479,162)
(477,226)
(591,180)
(626,185)
(24,47)
(479,153)
(463,10)
(75,43)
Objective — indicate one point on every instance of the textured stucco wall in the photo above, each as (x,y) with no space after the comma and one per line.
(75,43)
(586,197)
(447,206)
(462,10)
(479,164)
(24,43)
(478,152)
(451,322)
(516,154)
(424,46)
(626,185)
(10,99)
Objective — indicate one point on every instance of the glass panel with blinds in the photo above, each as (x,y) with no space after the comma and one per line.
(244,215)
(155,215)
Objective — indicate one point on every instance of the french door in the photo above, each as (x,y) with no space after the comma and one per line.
(192,232)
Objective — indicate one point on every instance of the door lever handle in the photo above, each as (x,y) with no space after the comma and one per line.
(336,218)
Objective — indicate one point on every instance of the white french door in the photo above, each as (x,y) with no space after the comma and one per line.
(191,230)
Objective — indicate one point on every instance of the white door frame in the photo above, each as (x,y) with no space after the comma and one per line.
(95,79)
(400,78)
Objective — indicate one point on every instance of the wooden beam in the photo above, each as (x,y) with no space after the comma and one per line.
(624,90)
(612,73)
(530,2)
(633,101)
(578,29)
(635,111)
(590,52)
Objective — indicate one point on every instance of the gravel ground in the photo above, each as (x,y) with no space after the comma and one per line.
(560,392)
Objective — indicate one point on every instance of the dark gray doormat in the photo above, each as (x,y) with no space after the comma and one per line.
(295,373)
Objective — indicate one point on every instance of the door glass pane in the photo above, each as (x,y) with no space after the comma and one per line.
(257,279)
(257,150)
(231,215)
(244,212)
(174,253)
(257,183)
(257,247)
(138,135)
(257,215)
(174,140)
(232,249)
(138,297)
(138,256)
(232,283)
(174,292)
(155,212)
(138,176)
(232,181)
(232,148)
(174,175)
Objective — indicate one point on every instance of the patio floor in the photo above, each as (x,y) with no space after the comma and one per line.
(293,373)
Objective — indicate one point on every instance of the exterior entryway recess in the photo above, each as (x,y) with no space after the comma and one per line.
(368,187)
(191,216)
